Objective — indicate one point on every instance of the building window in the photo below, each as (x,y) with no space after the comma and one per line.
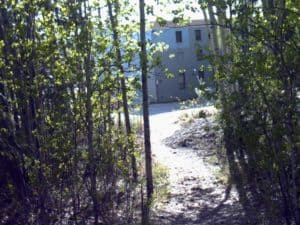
(198,35)
(182,82)
(178,36)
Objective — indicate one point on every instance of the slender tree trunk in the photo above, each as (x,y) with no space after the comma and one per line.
(89,117)
(90,126)
(116,41)
(207,24)
(222,28)
(74,172)
(213,23)
(147,142)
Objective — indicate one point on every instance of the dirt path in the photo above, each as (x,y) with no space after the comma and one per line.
(196,196)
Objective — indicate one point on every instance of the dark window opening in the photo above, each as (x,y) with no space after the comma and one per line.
(178,36)
(182,82)
(198,35)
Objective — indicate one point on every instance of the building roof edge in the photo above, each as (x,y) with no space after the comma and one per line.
(171,24)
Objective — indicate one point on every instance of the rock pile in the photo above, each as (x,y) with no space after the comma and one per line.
(203,134)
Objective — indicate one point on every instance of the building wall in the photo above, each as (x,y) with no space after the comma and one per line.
(152,87)
(170,89)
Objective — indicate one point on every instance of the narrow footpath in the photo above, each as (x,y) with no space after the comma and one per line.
(195,195)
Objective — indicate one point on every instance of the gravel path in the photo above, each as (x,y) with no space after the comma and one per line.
(196,196)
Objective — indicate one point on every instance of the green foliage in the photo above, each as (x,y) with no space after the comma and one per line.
(257,76)
(48,52)
(161,177)
(161,21)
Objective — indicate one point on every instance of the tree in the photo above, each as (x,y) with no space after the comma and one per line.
(116,42)
(60,154)
(257,78)
(147,141)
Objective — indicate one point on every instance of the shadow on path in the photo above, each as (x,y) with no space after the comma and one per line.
(217,212)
